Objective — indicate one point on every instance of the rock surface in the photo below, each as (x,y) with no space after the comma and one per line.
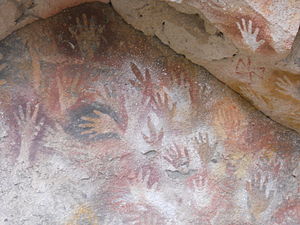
(15,14)
(101,124)
(250,45)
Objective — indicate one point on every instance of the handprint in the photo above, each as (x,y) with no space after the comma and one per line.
(68,91)
(205,92)
(29,128)
(249,38)
(102,123)
(106,96)
(205,148)
(143,83)
(154,138)
(269,164)
(201,195)
(199,182)
(286,87)
(183,84)
(141,180)
(87,34)
(179,158)
(103,95)
(258,198)
(178,79)
(228,119)
(162,106)
(142,188)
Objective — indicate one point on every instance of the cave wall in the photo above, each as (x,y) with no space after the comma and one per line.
(101,124)
(252,46)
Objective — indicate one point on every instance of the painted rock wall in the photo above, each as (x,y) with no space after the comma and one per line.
(101,124)
(249,45)
(15,14)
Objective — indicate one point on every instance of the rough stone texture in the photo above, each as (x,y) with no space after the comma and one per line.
(15,14)
(249,45)
(103,125)
(277,20)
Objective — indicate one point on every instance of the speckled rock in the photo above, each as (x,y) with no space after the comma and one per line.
(100,124)
(15,14)
(250,45)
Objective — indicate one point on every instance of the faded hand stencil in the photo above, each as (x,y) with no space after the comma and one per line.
(29,127)
(87,34)
(98,132)
(258,197)
(286,87)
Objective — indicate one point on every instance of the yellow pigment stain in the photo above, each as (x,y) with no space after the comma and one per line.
(2,82)
(83,215)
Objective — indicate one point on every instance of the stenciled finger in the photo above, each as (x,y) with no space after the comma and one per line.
(28,111)
(147,76)
(178,150)
(86,125)
(17,119)
(146,179)
(139,177)
(186,152)
(21,113)
(172,153)
(75,82)
(256,32)
(137,73)
(89,119)
(239,26)
(88,132)
(35,112)
(244,25)
(97,112)
(151,127)
(85,20)
(154,186)
(168,159)
(40,124)
(261,42)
